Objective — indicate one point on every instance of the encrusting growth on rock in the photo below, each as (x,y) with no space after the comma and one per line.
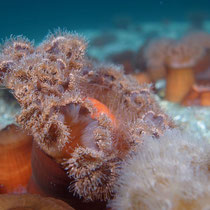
(86,116)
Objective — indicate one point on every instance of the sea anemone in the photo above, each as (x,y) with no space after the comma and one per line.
(27,201)
(84,116)
(15,159)
(171,172)
(199,95)
(180,59)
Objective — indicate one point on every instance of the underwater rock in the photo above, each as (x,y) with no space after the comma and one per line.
(194,119)
(9,108)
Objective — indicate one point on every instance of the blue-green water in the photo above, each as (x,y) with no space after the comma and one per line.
(35,18)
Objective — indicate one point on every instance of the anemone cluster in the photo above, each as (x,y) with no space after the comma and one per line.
(99,136)
(15,159)
(185,64)
(87,117)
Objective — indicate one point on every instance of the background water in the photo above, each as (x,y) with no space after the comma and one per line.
(35,18)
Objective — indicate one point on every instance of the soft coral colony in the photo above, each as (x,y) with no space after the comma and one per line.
(86,117)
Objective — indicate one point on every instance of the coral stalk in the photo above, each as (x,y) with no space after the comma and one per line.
(179,82)
(180,59)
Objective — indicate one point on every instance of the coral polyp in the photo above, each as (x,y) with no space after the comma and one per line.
(87,117)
